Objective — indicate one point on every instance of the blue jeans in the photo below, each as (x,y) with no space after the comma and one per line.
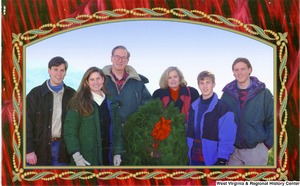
(54,157)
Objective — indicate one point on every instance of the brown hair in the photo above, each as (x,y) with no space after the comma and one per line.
(82,101)
(56,61)
(243,60)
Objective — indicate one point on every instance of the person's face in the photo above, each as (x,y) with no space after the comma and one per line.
(119,60)
(242,73)
(57,74)
(206,87)
(173,79)
(95,82)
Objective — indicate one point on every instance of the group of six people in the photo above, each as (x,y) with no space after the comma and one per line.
(84,127)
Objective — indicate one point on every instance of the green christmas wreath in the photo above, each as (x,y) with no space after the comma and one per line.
(155,136)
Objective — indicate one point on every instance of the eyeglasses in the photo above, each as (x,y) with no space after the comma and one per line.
(117,57)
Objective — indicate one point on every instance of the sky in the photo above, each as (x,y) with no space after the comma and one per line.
(154,45)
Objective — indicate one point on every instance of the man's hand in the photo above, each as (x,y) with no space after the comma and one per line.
(31,158)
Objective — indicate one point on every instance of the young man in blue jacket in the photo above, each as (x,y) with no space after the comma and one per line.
(211,128)
(253,106)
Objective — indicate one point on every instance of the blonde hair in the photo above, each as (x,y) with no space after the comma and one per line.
(163,82)
(205,74)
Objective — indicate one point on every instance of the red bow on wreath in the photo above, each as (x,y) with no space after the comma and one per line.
(161,130)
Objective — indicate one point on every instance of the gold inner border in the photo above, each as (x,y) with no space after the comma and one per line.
(279,39)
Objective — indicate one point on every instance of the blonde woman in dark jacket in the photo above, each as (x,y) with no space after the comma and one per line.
(93,132)
(173,88)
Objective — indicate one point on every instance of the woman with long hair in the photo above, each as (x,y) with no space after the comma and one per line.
(93,132)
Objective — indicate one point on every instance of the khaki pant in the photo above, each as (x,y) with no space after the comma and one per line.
(256,156)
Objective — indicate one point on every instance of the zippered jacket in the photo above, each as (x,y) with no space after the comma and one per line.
(83,134)
(133,93)
(255,122)
(217,129)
